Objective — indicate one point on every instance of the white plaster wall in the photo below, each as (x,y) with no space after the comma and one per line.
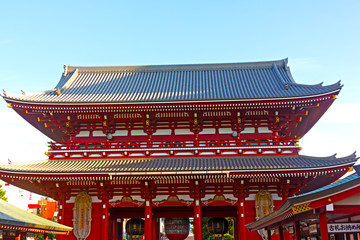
(83,134)
(225,130)
(162,132)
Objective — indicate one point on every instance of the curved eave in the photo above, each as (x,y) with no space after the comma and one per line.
(187,102)
(11,215)
(244,166)
(285,211)
(317,105)
(35,226)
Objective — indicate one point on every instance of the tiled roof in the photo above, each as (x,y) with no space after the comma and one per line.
(133,165)
(349,182)
(11,215)
(176,83)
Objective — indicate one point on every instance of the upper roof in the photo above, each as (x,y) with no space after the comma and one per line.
(11,215)
(245,164)
(175,83)
(288,209)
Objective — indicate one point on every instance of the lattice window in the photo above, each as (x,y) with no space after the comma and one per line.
(301,208)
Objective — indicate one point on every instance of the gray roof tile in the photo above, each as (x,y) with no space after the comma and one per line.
(260,163)
(13,216)
(172,83)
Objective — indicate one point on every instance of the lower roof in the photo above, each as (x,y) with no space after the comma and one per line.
(303,201)
(13,216)
(231,164)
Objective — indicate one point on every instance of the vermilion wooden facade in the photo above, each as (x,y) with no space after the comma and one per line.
(186,141)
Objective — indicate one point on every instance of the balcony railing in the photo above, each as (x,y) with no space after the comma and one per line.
(169,148)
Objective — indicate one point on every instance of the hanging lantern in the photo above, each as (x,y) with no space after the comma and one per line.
(135,228)
(217,227)
(177,228)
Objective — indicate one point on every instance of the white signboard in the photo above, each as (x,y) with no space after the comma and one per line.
(344,227)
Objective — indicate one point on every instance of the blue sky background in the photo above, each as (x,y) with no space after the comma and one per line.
(320,38)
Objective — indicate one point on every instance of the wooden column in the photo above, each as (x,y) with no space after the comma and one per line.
(323,226)
(241,213)
(197,213)
(148,235)
(120,227)
(236,229)
(197,222)
(156,228)
(281,233)
(148,220)
(113,228)
(105,217)
(269,234)
(287,235)
(61,216)
(297,230)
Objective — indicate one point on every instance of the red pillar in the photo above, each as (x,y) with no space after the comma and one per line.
(287,235)
(269,234)
(61,216)
(323,226)
(241,219)
(148,235)
(241,213)
(148,220)
(156,228)
(297,230)
(236,229)
(113,228)
(281,233)
(119,229)
(197,213)
(105,218)
(197,221)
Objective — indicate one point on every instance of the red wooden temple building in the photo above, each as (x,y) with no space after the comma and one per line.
(174,142)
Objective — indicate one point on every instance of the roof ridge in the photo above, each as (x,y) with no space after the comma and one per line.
(318,85)
(178,67)
(333,157)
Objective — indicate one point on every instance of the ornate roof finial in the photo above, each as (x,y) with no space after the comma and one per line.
(57,91)
(4,93)
(65,70)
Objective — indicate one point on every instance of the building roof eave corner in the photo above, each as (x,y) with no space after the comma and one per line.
(260,223)
(4,94)
(66,68)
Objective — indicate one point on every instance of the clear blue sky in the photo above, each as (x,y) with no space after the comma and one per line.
(320,38)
